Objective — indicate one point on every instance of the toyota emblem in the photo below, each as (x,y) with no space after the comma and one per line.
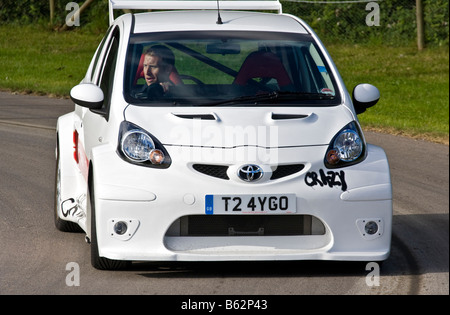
(250,172)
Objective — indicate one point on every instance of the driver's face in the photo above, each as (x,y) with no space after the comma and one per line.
(152,69)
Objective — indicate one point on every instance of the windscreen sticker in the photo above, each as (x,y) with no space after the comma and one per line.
(327,91)
(330,179)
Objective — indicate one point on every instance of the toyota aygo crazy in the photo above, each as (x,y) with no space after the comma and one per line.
(219,135)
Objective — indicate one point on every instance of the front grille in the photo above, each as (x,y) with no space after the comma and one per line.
(286,170)
(246,225)
(218,171)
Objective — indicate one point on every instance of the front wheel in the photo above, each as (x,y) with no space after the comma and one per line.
(98,262)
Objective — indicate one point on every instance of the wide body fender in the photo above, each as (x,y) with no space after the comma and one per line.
(72,182)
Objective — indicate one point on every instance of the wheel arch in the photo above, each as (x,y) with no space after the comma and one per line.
(71,180)
(88,199)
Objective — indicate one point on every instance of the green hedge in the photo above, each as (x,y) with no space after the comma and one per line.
(343,22)
(347,21)
(38,11)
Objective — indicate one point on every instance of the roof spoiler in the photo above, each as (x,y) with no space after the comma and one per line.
(247,5)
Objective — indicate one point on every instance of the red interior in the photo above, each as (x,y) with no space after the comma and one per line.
(262,64)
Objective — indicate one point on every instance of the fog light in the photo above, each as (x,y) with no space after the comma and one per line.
(120,228)
(371,227)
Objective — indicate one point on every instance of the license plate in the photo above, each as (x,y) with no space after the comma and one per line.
(250,204)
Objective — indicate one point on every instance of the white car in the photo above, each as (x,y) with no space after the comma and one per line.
(208,134)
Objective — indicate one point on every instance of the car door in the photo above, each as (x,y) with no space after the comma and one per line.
(94,122)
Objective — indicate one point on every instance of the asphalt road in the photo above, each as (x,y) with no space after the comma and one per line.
(35,258)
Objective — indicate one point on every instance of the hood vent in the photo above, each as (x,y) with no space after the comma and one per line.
(288,116)
(196,116)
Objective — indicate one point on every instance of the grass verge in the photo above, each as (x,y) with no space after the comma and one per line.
(34,59)
(414,87)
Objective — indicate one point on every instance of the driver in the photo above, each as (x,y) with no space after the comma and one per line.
(158,64)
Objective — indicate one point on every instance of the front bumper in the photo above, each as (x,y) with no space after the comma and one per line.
(155,201)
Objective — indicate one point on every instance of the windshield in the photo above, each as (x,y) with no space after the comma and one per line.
(227,69)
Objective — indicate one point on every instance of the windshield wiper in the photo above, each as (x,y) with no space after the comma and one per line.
(270,96)
(286,95)
(244,99)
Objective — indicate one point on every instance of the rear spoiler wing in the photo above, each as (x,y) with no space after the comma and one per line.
(246,5)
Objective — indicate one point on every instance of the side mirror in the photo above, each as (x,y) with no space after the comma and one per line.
(87,95)
(364,96)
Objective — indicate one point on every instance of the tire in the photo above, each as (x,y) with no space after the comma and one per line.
(98,262)
(60,224)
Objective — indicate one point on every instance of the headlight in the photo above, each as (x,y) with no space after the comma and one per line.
(137,146)
(346,148)
(349,145)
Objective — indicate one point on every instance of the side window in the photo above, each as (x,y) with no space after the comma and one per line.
(97,56)
(108,69)
(321,67)
(313,81)
(91,73)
